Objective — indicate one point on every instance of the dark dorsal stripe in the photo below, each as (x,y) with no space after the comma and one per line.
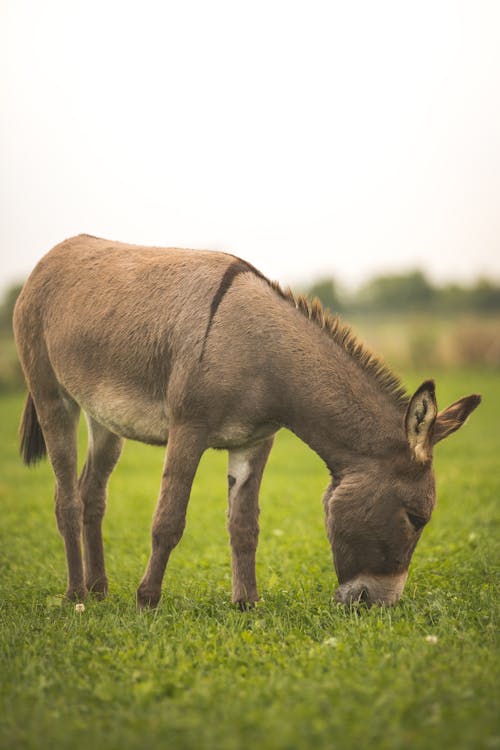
(231,272)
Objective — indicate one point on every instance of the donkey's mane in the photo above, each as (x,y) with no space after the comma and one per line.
(345,337)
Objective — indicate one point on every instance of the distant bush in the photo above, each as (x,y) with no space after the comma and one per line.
(327,291)
(484,296)
(411,291)
(11,376)
(7,307)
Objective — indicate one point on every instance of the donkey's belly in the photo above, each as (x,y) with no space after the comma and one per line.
(131,415)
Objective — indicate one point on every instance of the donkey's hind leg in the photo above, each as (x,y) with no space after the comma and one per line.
(58,417)
(104,450)
(245,469)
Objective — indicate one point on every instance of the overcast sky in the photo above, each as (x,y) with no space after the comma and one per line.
(310,138)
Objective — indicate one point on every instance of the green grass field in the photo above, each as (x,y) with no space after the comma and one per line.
(298,671)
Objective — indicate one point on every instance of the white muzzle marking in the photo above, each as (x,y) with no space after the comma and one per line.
(385,590)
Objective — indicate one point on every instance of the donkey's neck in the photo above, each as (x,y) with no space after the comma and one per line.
(336,405)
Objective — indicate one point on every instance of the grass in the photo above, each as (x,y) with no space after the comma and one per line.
(299,671)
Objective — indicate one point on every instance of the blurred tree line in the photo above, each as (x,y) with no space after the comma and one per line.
(408,292)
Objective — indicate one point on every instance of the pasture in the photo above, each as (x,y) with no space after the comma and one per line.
(297,672)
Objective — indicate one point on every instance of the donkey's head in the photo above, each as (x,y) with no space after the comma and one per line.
(376,514)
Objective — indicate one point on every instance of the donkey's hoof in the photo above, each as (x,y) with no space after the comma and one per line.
(98,588)
(244,605)
(147,599)
(76,594)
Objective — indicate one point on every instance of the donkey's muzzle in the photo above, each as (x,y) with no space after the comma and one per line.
(351,595)
(366,589)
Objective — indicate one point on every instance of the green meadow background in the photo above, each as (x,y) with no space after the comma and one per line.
(297,672)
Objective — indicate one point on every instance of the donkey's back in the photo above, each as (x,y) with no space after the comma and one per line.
(108,324)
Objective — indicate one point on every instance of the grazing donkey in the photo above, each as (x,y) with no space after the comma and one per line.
(199,349)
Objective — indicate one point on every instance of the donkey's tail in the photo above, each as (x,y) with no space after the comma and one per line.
(32,443)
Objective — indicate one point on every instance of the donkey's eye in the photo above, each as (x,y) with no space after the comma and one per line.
(416,521)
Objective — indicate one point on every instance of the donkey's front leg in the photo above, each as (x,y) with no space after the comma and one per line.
(244,477)
(185,448)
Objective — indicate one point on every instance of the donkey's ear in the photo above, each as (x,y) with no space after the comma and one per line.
(419,421)
(454,416)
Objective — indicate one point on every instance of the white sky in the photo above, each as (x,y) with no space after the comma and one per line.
(307,137)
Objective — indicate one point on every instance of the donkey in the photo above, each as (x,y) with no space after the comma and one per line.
(199,349)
